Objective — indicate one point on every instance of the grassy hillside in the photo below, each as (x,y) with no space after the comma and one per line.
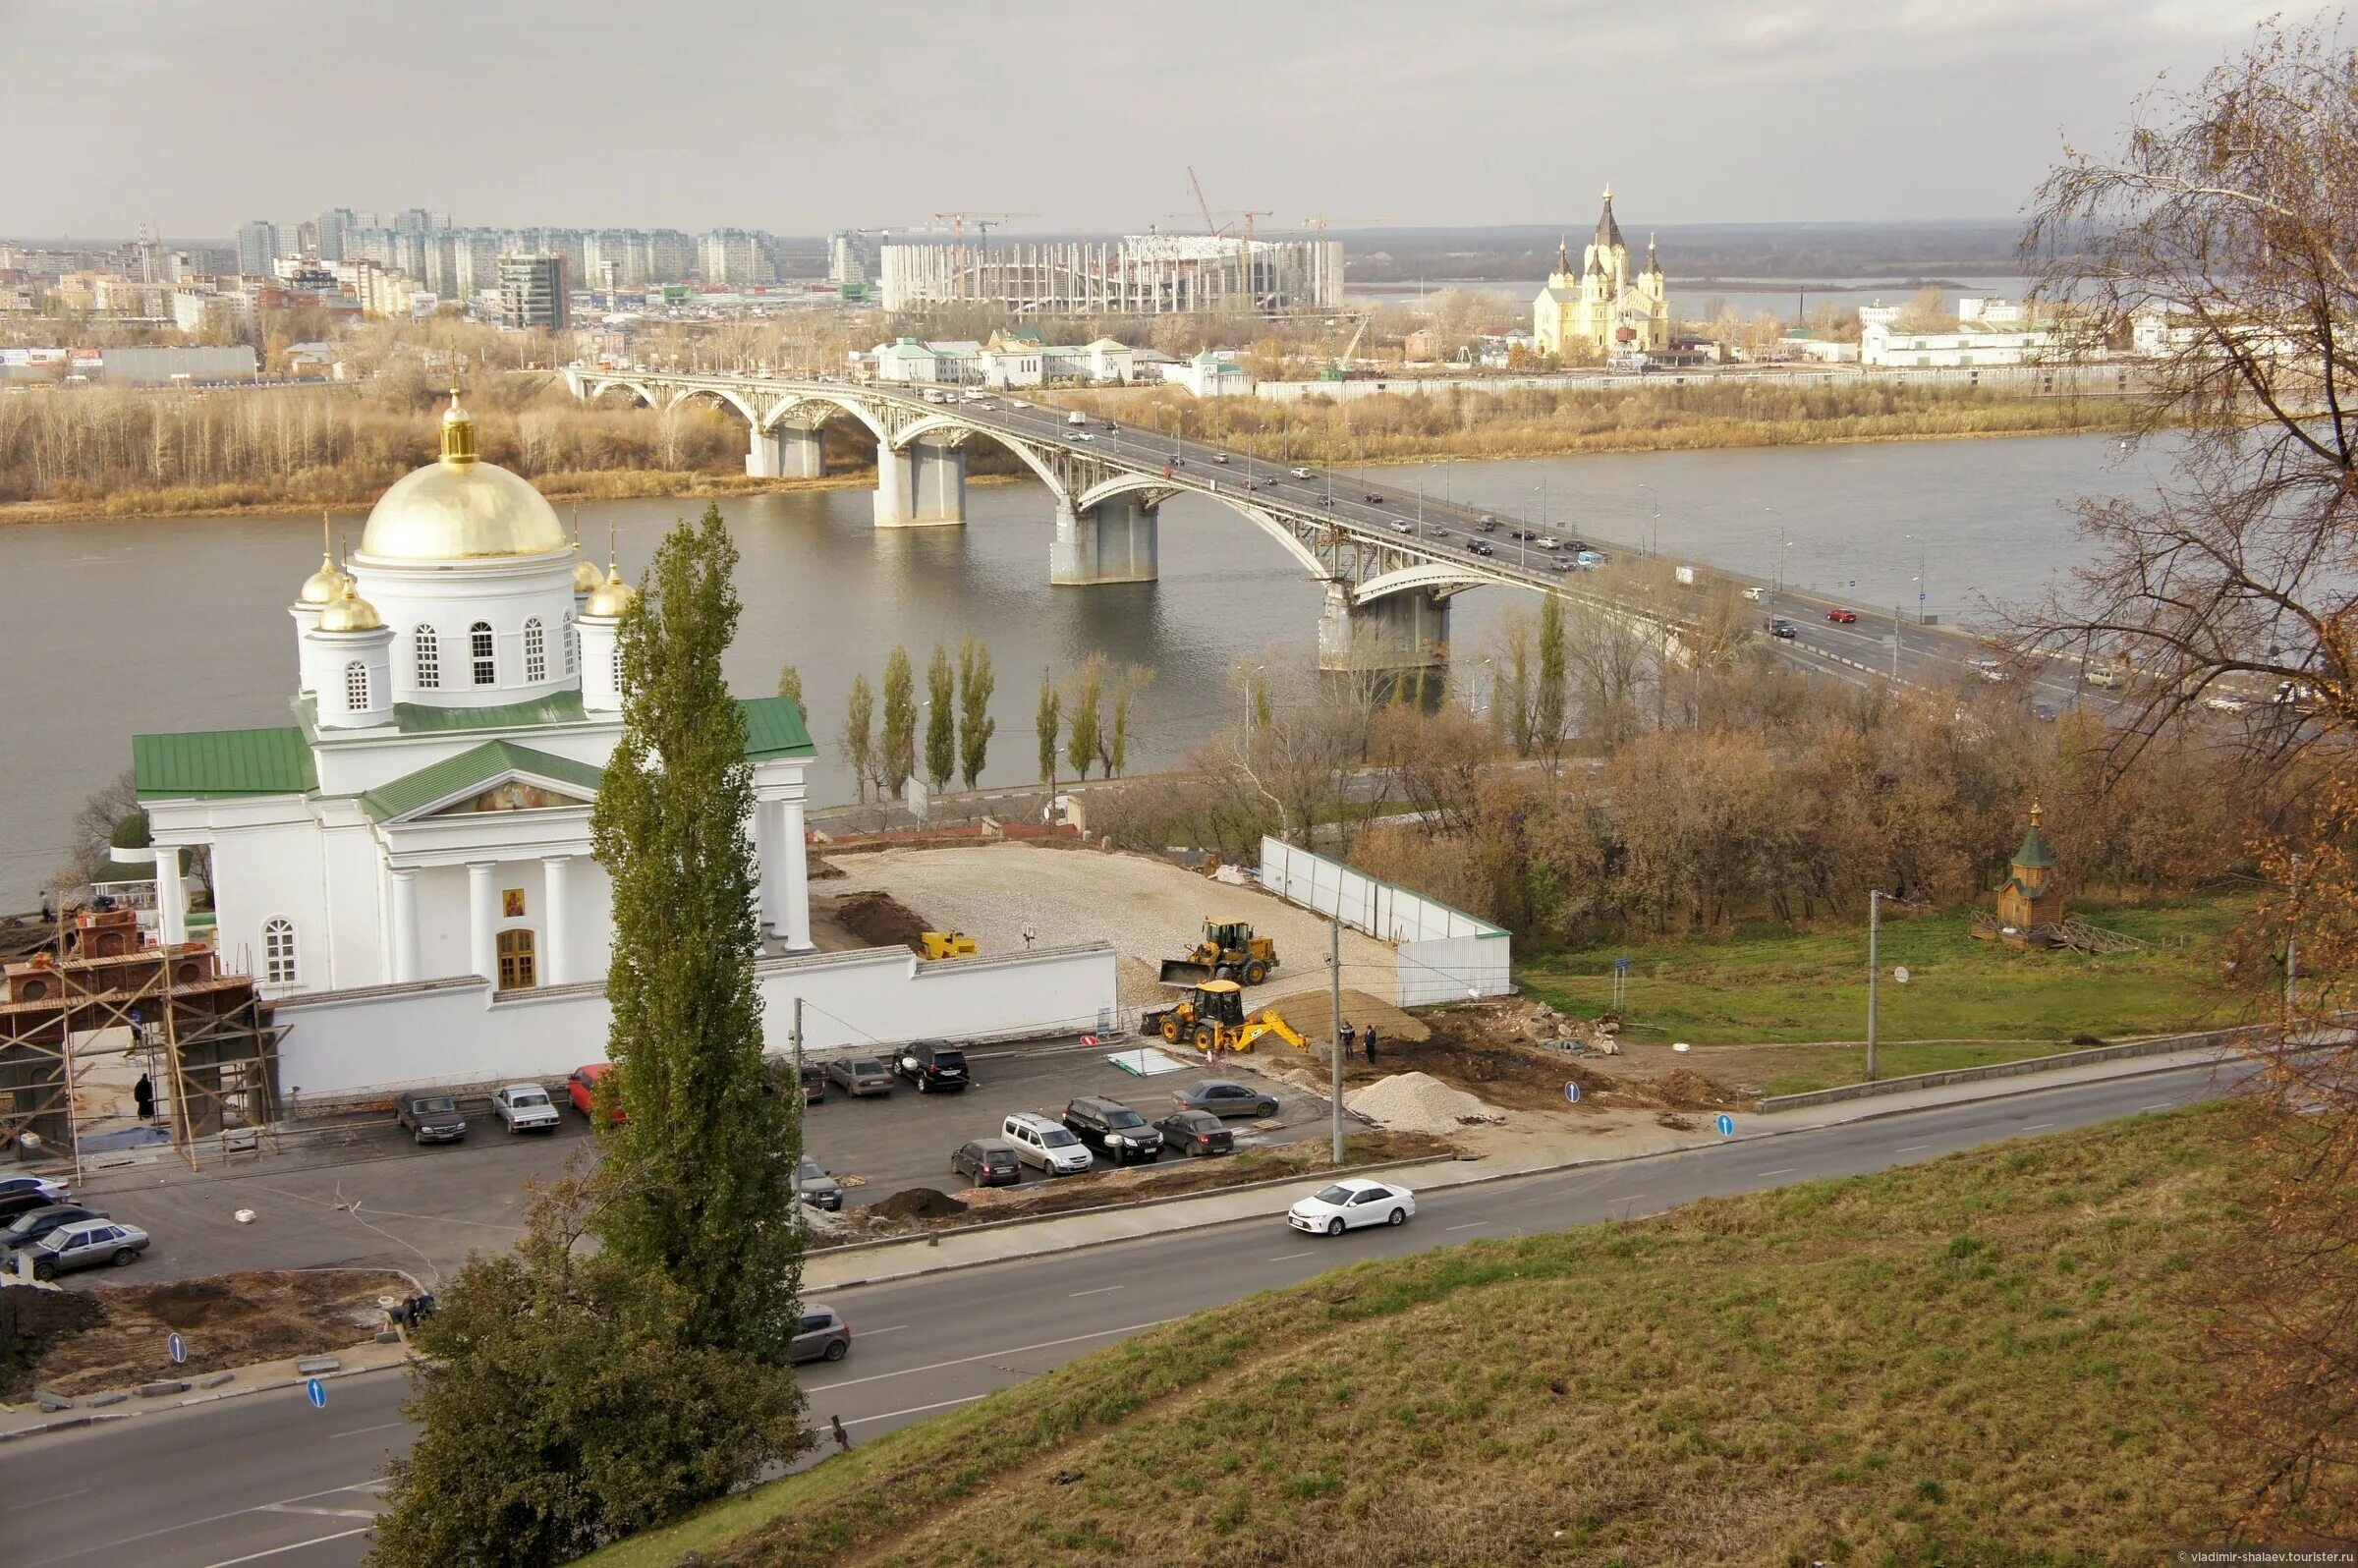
(1983,1360)
(1812,986)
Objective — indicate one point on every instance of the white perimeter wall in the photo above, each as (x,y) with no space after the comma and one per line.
(1445,954)
(451,1032)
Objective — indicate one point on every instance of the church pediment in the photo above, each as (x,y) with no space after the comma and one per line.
(498,776)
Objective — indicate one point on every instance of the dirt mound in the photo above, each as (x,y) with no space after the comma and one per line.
(1312,1015)
(882,921)
(113,1337)
(1415,1103)
(825,871)
(1684,1089)
(919,1203)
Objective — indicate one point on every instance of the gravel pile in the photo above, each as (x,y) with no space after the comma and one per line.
(1416,1103)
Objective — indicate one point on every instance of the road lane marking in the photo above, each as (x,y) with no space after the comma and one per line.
(2032,1127)
(258,1556)
(1911,1148)
(2160,1104)
(1781,1170)
(915,1410)
(234,1513)
(1100,1291)
(870,1334)
(55,1497)
(319,1513)
(363,1431)
(968,1361)
(1468,1225)
(1284,1258)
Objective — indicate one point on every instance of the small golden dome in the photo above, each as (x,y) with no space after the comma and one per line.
(324,586)
(587,578)
(349,612)
(613,596)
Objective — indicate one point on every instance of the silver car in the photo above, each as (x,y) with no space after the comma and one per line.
(817,1189)
(861,1075)
(821,1335)
(526,1109)
(86,1243)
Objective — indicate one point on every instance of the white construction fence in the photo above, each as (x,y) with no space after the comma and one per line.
(1445,954)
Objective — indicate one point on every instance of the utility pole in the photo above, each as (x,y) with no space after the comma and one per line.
(2291,945)
(1334,1022)
(1874,920)
(802,1107)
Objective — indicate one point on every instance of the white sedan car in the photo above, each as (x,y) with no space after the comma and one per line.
(526,1109)
(1348,1204)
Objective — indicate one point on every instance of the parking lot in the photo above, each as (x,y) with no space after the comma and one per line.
(365,1194)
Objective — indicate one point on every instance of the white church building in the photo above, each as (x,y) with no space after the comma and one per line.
(406,870)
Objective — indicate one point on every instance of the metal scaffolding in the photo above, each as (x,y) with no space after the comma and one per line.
(80,1014)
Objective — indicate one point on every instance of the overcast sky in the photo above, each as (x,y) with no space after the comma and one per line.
(801,117)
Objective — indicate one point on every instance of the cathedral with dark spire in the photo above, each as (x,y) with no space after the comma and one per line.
(1604,310)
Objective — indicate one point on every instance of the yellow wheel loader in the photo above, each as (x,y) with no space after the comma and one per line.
(1229,951)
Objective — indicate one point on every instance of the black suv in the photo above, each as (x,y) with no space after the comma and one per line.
(931,1064)
(1113,1130)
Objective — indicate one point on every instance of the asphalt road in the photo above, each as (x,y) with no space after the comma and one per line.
(377,1200)
(268,1478)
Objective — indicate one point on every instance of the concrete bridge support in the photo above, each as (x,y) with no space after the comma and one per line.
(786,453)
(922,485)
(1117,541)
(1409,630)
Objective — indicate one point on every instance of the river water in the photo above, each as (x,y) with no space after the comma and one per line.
(117,628)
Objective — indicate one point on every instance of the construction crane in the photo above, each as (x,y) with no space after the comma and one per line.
(1320,220)
(983,222)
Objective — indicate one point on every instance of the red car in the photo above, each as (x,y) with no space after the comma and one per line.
(580,1087)
(1842,617)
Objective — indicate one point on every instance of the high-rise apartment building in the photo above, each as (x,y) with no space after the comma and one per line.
(533,291)
(258,246)
(850,259)
(670,256)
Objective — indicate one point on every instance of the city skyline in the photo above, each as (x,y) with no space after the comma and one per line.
(1372,114)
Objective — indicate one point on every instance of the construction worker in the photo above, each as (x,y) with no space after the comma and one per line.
(1370,1045)
(1350,1038)
(142,1096)
(843,1439)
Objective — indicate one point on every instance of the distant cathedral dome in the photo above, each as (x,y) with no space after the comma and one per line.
(324,586)
(614,595)
(461,507)
(349,612)
(587,578)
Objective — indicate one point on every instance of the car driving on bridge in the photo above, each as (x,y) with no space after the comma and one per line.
(1842,617)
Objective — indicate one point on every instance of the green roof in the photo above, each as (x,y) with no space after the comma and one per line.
(558,708)
(485,764)
(2034,855)
(220,762)
(774,727)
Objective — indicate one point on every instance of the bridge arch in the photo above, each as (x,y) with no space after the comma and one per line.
(723,396)
(858,409)
(597,387)
(1439,578)
(1030,455)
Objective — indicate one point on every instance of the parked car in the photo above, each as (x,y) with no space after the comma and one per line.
(1112,1129)
(86,1243)
(821,1335)
(1196,1132)
(1046,1144)
(1350,1204)
(526,1109)
(35,1223)
(1299,474)
(431,1116)
(816,1187)
(814,1083)
(21,1195)
(931,1064)
(1783,628)
(987,1162)
(1842,617)
(1223,1097)
(859,1076)
(580,1087)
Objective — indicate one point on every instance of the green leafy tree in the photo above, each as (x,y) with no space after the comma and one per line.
(710,1158)
(860,733)
(1046,725)
(790,683)
(976,726)
(561,1402)
(1083,727)
(941,719)
(1113,747)
(899,757)
(1547,724)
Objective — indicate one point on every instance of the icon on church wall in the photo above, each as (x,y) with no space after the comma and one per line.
(512,903)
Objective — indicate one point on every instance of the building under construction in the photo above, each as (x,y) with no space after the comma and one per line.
(82,1019)
(1142,274)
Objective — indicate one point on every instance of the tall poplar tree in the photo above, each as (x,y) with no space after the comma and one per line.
(899,756)
(941,719)
(1548,721)
(707,1160)
(860,733)
(1083,728)
(976,726)
(1045,725)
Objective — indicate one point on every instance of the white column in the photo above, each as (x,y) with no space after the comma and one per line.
(406,963)
(482,922)
(765,863)
(794,890)
(556,925)
(171,902)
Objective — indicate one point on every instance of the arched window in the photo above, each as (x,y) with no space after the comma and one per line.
(535,651)
(278,951)
(429,658)
(356,688)
(479,638)
(572,644)
(519,969)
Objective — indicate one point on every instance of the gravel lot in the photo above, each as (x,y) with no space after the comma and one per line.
(1149,910)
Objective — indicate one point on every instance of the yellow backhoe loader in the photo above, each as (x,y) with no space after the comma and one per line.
(1212,1017)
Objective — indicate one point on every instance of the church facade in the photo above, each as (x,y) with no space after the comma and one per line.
(427,815)
(1605,310)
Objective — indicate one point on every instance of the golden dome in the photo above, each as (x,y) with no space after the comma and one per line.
(324,586)
(460,508)
(349,612)
(612,597)
(587,578)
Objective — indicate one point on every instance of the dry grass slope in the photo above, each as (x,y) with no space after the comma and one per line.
(1986,1358)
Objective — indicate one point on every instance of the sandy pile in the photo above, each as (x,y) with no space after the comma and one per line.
(1416,1103)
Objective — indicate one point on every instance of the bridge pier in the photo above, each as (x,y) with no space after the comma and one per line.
(1408,630)
(921,486)
(786,453)
(1117,541)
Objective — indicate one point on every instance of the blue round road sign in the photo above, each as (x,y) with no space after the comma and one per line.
(1727,1125)
(178,1350)
(1572,1093)
(316,1392)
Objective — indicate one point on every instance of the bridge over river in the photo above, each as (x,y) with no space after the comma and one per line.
(1389,572)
